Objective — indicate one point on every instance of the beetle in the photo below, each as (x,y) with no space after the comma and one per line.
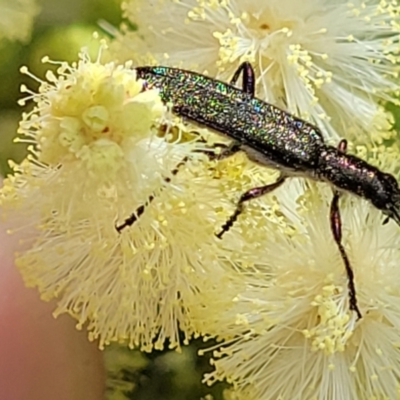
(274,138)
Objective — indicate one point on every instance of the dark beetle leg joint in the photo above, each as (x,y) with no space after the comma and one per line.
(249,195)
(248,78)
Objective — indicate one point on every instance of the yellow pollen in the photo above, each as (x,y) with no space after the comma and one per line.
(332,331)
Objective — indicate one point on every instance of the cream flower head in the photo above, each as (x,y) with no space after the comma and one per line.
(330,63)
(100,152)
(290,334)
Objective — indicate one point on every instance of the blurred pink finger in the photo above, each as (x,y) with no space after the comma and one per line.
(41,357)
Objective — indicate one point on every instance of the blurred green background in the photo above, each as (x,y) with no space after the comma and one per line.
(59,31)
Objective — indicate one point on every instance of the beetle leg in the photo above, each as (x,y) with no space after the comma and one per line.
(134,216)
(248,78)
(342,146)
(227,151)
(249,195)
(140,210)
(336,227)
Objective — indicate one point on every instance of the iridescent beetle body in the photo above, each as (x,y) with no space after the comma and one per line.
(272,137)
(280,139)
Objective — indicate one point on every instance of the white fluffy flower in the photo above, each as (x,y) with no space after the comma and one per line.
(329,62)
(291,334)
(99,154)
